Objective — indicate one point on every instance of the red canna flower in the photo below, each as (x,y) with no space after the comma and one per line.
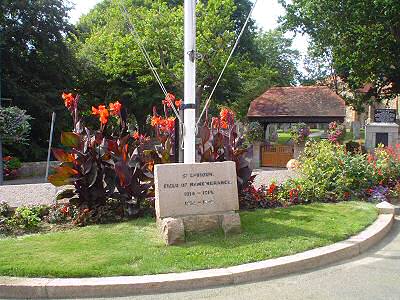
(170,123)
(178,103)
(115,108)
(136,135)
(227,115)
(224,124)
(65,209)
(102,112)
(68,100)
(224,113)
(95,111)
(155,121)
(272,188)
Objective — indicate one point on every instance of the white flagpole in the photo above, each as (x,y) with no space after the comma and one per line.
(189,138)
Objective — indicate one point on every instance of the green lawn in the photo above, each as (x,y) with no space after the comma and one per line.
(134,248)
(284,137)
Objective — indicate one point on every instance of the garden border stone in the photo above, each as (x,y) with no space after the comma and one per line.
(18,287)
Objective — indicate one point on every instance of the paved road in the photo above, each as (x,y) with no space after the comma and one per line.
(373,275)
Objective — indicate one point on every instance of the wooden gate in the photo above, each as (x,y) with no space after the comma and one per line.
(276,155)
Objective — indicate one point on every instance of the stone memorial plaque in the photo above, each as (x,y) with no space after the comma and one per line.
(385,115)
(195,189)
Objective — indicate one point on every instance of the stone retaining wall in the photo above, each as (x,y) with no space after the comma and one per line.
(34,169)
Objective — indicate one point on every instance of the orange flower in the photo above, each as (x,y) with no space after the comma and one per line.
(104,116)
(136,135)
(95,111)
(272,188)
(155,121)
(224,124)
(178,103)
(115,108)
(170,123)
(68,99)
(170,97)
(102,112)
(227,115)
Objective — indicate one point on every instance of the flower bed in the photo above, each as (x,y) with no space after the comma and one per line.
(329,173)
(10,167)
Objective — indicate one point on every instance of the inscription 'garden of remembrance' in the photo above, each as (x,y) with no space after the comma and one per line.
(190,189)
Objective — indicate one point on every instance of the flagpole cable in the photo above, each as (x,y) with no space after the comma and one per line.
(226,64)
(147,57)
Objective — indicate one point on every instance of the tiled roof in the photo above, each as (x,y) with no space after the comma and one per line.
(302,101)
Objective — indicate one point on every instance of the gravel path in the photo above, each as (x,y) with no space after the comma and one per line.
(266,176)
(28,194)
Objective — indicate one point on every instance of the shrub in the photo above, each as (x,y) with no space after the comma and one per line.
(59,213)
(10,166)
(107,163)
(27,217)
(5,210)
(336,132)
(355,147)
(14,125)
(164,128)
(299,132)
(220,142)
(330,173)
(254,132)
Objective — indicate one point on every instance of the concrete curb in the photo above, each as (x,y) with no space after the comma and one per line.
(17,287)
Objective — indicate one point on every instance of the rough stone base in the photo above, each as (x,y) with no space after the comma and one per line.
(231,223)
(201,223)
(173,229)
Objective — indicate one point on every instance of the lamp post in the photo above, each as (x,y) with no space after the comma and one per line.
(189,135)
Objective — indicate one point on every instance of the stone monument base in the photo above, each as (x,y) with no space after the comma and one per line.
(173,229)
(381,133)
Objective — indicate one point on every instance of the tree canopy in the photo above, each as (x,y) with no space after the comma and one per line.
(35,63)
(110,53)
(361,37)
(44,55)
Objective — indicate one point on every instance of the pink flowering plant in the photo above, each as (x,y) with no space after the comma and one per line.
(336,132)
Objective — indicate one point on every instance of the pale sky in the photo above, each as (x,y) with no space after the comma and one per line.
(266,14)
